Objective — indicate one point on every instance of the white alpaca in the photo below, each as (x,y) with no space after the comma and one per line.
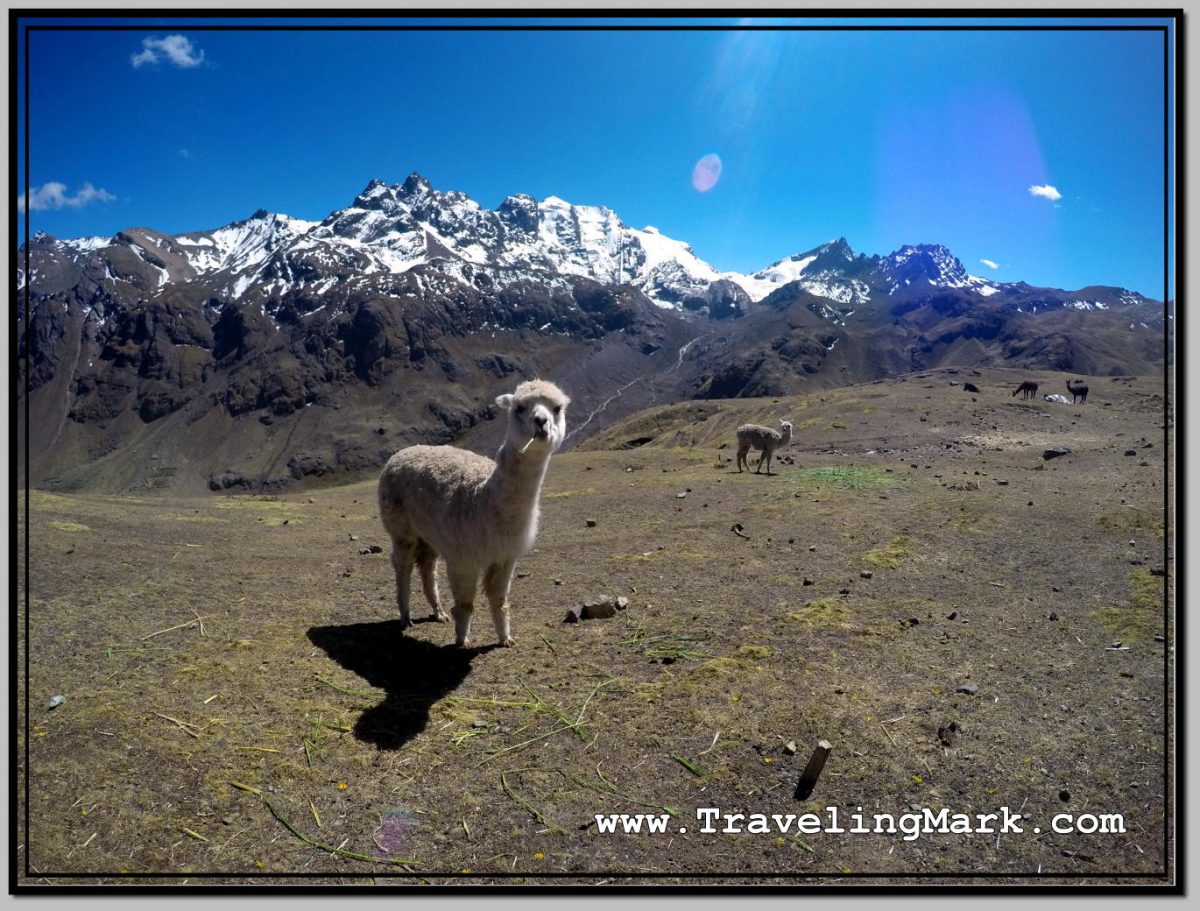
(478,515)
(764,438)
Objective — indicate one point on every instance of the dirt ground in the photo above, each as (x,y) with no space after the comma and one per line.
(968,625)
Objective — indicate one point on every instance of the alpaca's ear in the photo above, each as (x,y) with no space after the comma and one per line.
(505,401)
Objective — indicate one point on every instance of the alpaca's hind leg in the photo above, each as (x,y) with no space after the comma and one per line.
(741,458)
(402,562)
(767,454)
(426,559)
(463,584)
(761,455)
(496,582)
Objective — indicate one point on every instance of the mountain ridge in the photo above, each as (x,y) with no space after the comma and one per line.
(408,310)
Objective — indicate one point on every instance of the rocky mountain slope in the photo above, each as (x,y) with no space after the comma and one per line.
(275,350)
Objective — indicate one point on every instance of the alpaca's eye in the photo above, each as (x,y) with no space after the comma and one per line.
(520,409)
(557,410)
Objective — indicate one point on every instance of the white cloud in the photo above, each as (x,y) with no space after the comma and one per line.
(53,195)
(1047,191)
(990,264)
(175,49)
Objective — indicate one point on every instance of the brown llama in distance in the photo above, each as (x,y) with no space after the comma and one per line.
(1028,390)
(1078,392)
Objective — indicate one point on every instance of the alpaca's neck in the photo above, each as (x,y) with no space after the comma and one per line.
(517,479)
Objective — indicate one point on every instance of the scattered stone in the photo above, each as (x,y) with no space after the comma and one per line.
(909,621)
(843,591)
(969,688)
(866,574)
(680,496)
(953,615)
(596,608)
(591,523)
(354,537)
(1130,452)
(523,574)
(1055,452)
(375,548)
(363,551)
(1053,616)
(812,548)
(56,701)
(808,581)
(479,723)
(1064,795)
(284,522)
(790,748)
(1002,482)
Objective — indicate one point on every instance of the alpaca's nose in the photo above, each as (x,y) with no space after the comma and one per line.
(540,420)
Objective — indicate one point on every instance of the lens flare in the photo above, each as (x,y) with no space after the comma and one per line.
(706,173)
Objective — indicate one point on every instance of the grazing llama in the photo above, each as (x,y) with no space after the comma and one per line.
(763,438)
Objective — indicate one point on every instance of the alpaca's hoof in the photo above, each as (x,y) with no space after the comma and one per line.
(508,643)
(441,617)
(405,623)
(465,643)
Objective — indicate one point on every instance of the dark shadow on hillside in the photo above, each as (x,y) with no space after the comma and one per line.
(413,674)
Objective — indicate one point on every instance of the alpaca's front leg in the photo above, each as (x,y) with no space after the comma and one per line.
(463,584)
(496,582)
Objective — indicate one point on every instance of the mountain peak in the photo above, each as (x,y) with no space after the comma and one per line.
(414,183)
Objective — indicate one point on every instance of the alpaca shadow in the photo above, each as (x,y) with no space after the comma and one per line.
(413,674)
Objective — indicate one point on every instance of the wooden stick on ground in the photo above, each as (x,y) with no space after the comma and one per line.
(816,762)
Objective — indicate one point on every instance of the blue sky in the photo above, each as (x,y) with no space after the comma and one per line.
(884,137)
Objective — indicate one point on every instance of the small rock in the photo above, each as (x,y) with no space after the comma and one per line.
(866,574)
(591,523)
(56,701)
(1055,452)
(1160,639)
(1130,452)
(375,548)
(1002,482)
(1053,616)
(808,581)
(843,591)
(364,550)
(969,688)
(952,615)
(812,548)
(1064,795)
(790,748)
(680,496)
(909,621)
(622,603)
(573,614)
(284,522)
(479,723)
(354,537)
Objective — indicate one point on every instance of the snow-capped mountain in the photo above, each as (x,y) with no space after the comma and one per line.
(391,229)
(400,316)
